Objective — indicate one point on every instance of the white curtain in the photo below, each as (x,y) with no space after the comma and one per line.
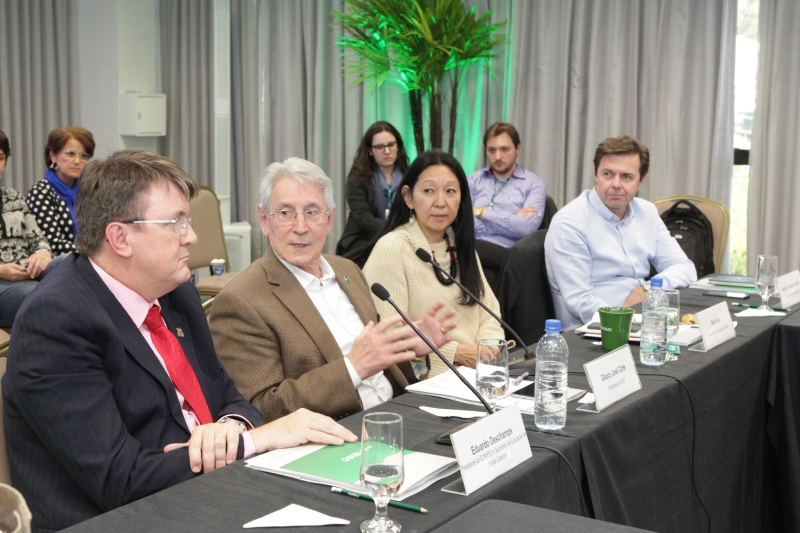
(773,210)
(36,82)
(659,70)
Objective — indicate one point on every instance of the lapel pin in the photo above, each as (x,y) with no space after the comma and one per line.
(347,279)
(179,331)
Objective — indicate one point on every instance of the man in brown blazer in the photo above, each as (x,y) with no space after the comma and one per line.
(298,328)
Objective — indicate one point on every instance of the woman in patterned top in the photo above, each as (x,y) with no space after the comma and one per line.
(52,199)
(24,251)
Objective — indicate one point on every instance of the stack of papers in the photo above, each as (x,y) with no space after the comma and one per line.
(341,466)
(448,386)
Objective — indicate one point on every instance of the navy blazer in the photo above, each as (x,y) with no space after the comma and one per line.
(88,406)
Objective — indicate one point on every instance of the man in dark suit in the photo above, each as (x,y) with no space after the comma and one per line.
(113,390)
(298,328)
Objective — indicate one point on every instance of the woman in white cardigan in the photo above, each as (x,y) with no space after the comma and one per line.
(434,212)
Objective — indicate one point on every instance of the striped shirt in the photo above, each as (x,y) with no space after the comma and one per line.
(500,223)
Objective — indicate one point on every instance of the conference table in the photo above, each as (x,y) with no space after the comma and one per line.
(688,452)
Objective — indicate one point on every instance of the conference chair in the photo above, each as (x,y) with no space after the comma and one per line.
(524,291)
(5,469)
(549,211)
(716,213)
(207,224)
(5,339)
(207,306)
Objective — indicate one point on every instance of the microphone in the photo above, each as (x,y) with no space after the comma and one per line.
(381,292)
(426,258)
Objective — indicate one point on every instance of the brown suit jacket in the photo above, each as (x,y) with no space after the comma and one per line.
(273,342)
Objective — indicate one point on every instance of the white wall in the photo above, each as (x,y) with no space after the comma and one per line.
(118,51)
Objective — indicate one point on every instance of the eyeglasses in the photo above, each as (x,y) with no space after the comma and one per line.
(69,154)
(384,147)
(287,216)
(179,224)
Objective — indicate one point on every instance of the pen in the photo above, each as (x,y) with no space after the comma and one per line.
(751,306)
(393,503)
(518,380)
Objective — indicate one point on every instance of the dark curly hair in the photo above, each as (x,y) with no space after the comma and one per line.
(364,164)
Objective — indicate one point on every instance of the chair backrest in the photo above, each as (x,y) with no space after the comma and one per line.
(207,224)
(550,210)
(5,339)
(5,469)
(716,213)
(524,291)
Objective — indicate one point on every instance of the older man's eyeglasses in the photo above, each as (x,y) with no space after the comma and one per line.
(384,147)
(180,225)
(287,216)
(69,154)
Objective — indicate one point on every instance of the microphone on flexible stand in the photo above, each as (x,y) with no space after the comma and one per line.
(426,257)
(381,292)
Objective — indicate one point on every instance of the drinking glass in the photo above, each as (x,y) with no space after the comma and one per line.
(766,272)
(381,466)
(673,317)
(492,369)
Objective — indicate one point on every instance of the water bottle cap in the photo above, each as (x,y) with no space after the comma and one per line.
(552,325)
(656,282)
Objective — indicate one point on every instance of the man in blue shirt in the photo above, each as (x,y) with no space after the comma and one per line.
(508,200)
(600,246)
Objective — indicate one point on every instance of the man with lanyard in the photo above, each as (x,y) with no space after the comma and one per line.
(508,200)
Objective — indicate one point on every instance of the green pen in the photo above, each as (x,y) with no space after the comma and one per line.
(392,503)
(751,306)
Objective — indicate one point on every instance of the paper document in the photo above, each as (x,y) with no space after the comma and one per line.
(294,515)
(447,385)
(686,335)
(453,413)
(340,466)
(759,312)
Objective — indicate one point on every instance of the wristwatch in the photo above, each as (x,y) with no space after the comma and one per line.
(478,212)
(227,419)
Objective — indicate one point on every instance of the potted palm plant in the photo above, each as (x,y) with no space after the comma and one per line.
(424,46)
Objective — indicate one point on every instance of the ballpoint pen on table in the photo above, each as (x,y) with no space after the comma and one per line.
(519,379)
(393,503)
(751,306)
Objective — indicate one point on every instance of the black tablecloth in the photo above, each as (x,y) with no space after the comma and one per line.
(496,515)
(631,464)
(784,398)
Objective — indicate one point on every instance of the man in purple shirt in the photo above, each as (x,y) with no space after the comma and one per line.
(508,200)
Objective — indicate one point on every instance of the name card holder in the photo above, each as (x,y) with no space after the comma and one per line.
(612,377)
(716,327)
(488,449)
(789,289)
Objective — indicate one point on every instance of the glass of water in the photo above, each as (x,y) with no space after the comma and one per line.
(673,317)
(766,273)
(381,466)
(492,369)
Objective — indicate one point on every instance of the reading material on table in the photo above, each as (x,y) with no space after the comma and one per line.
(448,386)
(341,465)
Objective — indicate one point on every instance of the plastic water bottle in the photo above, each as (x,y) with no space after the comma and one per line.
(655,307)
(551,378)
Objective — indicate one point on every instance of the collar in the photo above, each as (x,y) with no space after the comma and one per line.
(519,172)
(307,280)
(133,303)
(605,212)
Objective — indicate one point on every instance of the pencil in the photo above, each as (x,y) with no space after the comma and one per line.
(392,503)
(751,306)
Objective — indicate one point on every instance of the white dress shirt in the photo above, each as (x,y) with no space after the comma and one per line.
(344,323)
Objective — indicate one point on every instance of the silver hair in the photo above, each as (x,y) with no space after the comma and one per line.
(301,171)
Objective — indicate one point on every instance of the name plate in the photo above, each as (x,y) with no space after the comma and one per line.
(491,447)
(612,376)
(789,289)
(716,327)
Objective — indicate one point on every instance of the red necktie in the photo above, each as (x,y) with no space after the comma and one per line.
(180,371)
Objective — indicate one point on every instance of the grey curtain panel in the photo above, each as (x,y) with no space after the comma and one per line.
(659,70)
(187,74)
(36,84)
(773,210)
